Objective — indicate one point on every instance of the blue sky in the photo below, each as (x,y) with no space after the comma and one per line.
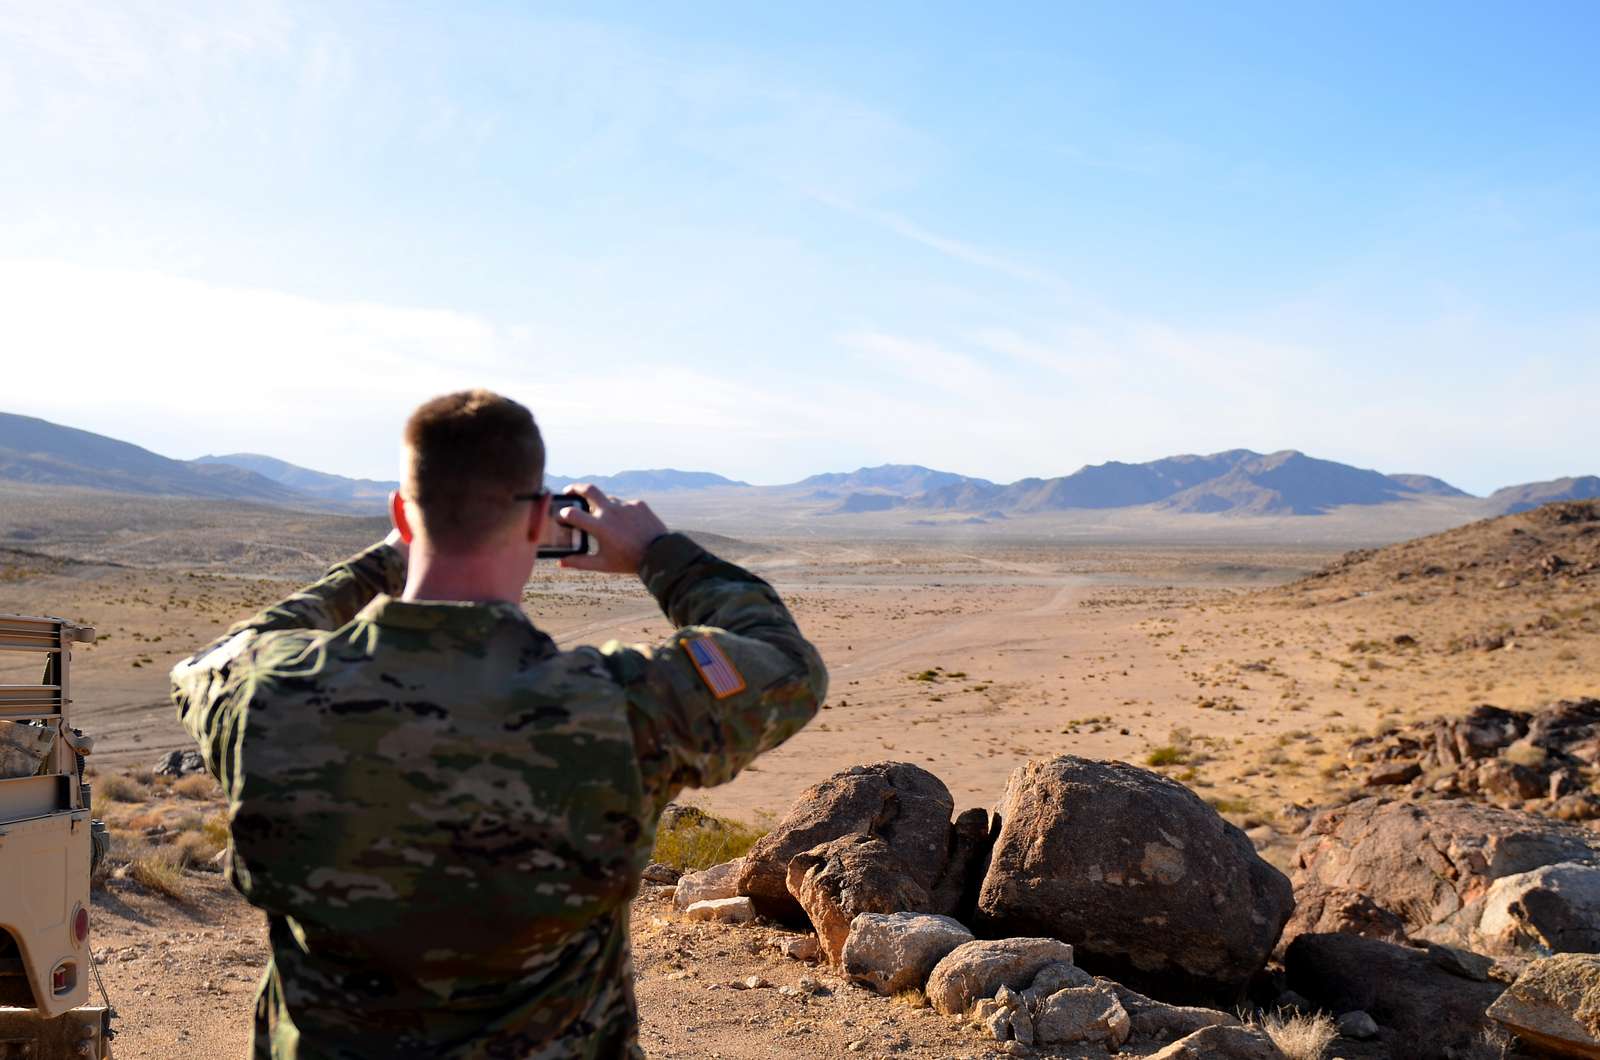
(769,240)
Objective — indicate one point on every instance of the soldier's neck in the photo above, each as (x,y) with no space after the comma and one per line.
(473,578)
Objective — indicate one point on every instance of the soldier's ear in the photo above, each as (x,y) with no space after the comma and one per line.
(397,515)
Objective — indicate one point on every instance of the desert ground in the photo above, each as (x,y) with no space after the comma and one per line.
(1219,663)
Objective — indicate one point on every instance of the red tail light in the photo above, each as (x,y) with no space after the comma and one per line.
(80,924)
(63,978)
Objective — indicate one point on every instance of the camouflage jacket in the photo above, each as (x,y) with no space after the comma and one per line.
(445,817)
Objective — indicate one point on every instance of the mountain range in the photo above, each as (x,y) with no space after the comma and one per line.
(1237,481)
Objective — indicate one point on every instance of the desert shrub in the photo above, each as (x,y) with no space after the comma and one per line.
(1226,805)
(197,786)
(160,871)
(1300,1037)
(143,776)
(215,828)
(1167,755)
(120,788)
(692,845)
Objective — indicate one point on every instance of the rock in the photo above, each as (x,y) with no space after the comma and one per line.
(179,764)
(655,872)
(1154,1021)
(1321,910)
(977,969)
(1552,909)
(1426,862)
(1390,773)
(1404,989)
(902,804)
(838,880)
(677,815)
(737,910)
(1221,1043)
(955,892)
(891,952)
(1022,1026)
(1555,1004)
(1053,977)
(1358,1026)
(1006,997)
(1147,881)
(719,881)
(1082,1014)
(801,948)
(999,1025)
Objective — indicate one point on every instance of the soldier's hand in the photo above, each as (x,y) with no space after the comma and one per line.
(621,529)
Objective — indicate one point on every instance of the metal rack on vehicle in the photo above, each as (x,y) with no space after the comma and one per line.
(46,854)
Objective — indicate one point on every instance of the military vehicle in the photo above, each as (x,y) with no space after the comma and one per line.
(48,849)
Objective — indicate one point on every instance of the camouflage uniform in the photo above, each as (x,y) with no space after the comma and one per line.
(445,817)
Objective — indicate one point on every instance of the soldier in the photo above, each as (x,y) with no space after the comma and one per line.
(443,815)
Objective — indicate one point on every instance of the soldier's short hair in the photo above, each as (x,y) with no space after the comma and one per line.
(467,454)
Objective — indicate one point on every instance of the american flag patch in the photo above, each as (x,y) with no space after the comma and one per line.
(716,669)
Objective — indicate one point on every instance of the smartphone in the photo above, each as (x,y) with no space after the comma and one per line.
(559,539)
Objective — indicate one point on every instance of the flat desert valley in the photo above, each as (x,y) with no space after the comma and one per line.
(1231,665)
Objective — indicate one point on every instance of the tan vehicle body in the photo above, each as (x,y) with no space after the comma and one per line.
(45,856)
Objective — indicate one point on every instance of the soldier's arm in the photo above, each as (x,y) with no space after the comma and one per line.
(737,679)
(207,686)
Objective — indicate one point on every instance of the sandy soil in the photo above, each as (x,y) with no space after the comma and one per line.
(965,662)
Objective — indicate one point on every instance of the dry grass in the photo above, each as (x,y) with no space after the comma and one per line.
(197,786)
(160,871)
(912,997)
(120,788)
(1300,1037)
(692,846)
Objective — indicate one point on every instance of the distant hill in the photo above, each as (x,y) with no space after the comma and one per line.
(304,480)
(1531,495)
(1238,481)
(47,454)
(904,480)
(663,480)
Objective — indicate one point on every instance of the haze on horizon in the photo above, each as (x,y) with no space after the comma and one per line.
(777,242)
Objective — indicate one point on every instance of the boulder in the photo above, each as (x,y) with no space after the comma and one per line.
(1147,882)
(1082,1014)
(975,970)
(1405,990)
(1555,1005)
(1053,977)
(725,910)
(955,892)
(179,764)
(719,881)
(1553,909)
(1320,910)
(891,952)
(902,804)
(1426,862)
(1153,1022)
(1221,1043)
(838,880)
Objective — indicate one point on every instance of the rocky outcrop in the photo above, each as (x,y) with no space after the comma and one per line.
(976,970)
(1150,885)
(1409,992)
(1544,761)
(905,806)
(1555,1005)
(1153,1022)
(854,874)
(1429,863)
(891,952)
